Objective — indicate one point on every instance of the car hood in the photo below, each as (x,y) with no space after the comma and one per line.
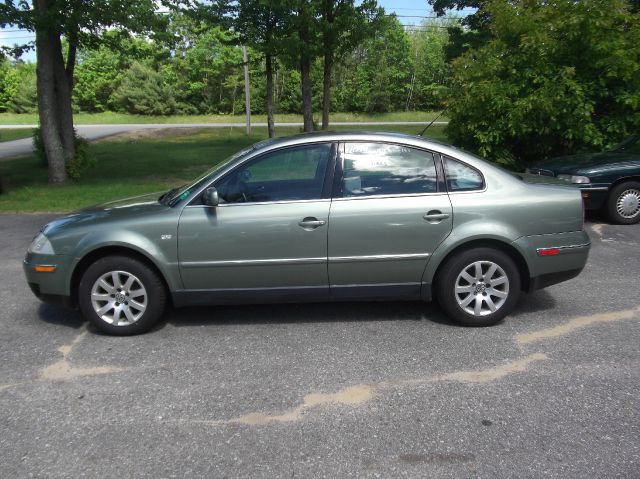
(587,162)
(118,210)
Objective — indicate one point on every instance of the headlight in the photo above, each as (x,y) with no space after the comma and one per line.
(41,245)
(579,180)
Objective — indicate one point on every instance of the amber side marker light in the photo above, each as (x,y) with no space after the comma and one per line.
(548,251)
(45,268)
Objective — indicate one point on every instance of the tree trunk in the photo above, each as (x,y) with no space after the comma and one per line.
(307,106)
(48,98)
(305,66)
(63,92)
(269,72)
(326,89)
(328,15)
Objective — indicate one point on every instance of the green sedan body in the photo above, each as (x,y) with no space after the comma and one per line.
(610,180)
(319,217)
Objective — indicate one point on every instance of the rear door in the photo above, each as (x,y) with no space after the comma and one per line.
(388,215)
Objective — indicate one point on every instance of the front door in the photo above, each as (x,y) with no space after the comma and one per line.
(268,237)
(387,218)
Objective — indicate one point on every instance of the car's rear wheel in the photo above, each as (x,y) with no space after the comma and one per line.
(478,287)
(122,296)
(623,203)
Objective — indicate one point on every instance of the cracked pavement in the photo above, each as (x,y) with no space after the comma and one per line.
(328,390)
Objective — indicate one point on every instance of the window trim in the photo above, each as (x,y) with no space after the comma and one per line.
(339,173)
(325,194)
(465,191)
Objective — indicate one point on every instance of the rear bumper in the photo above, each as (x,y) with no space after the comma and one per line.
(569,260)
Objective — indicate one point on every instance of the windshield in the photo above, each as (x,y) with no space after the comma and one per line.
(175,195)
(630,145)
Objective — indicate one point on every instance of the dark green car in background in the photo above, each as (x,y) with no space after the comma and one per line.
(317,217)
(610,181)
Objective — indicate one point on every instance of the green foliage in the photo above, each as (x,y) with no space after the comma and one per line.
(208,74)
(17,87)
(431,73)
(143,92)
(9,83)
(555,78)
(376,77)
(81,161)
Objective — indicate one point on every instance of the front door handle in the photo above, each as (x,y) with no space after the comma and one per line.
(311,223)
(435,216)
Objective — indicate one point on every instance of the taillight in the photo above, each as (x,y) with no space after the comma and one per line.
(548,251)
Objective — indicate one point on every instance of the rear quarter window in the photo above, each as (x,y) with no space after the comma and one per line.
(462,177)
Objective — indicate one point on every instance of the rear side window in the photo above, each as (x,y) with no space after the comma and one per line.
(384,169)
(462,177)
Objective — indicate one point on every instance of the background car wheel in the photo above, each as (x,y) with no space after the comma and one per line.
(121,295)
(623,203)
(478,287)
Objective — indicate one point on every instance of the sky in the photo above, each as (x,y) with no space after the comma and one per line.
(408,12)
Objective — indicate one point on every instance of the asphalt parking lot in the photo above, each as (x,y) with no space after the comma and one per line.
(330,390)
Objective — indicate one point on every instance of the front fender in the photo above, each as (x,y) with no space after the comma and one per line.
(163,254)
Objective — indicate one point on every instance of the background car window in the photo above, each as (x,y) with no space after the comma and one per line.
(383,169)
(461,177)
(285,175)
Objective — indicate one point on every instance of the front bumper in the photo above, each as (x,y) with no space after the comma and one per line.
(50,287)
(594,196)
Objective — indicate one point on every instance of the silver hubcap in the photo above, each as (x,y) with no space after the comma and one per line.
(482,288)
(119,298)
(628,204)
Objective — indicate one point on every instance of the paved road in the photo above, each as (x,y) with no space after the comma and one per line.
(10,149)
(346,390)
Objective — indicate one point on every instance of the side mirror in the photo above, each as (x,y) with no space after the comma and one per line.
(211,197)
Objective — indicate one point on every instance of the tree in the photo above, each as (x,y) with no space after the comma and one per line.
(344,26)
(260,24)
(143,92)
(376,76)
(431,72)
(555,78)
(80,23)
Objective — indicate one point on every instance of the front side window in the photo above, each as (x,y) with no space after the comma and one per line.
(385,169)
(462,177)
(289,174)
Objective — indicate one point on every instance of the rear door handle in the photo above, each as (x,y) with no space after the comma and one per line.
(311,223)
(435,216)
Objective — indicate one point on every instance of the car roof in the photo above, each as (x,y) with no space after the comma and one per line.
(351,135)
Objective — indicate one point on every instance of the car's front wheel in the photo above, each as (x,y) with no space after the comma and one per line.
(478,287)
(623,203)
(122,296)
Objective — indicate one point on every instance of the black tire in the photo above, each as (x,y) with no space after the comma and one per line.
(628,192)
(128,316)
(453,302)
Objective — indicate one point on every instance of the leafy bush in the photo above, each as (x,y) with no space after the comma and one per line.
(143,92)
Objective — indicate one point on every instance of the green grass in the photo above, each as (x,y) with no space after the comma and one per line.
(127,167)
(114,118)
(9,134)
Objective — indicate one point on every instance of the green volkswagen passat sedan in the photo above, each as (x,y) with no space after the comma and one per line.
(319,217)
